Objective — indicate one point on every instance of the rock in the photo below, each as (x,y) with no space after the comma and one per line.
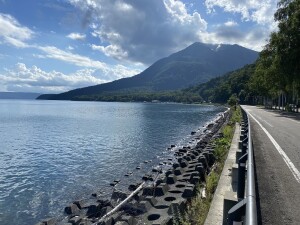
(151,200)
(177,171)
(132,187)
(148,191)
(75,220)
(93,209)
(71,209)
(104,202)
(79,203)
(105,210)
(193,132)
(195,179)
(182,150)
(49,221)
(121,223)
(129,219)
(144,206)
(188,192)
(85,221)
(161,189)
(109,221)
(173,146)
(183,164)
(118,195)
(168,172)
(175,165)
(155,169)
(171,179)
(112,184)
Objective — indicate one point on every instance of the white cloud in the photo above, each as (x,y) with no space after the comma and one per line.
(230,23)
(76,36)
(75,59)
(254,39)
(257,11)
(111,50)
(70,48)
(110,72)
(13,33)
(141,31)
(34,79)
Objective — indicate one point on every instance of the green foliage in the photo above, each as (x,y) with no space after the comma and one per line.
(219,90)
(233,100)
(236,116)
(278,67)
(211,184)
(174,96)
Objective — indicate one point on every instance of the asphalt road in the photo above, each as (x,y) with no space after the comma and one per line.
(276,142)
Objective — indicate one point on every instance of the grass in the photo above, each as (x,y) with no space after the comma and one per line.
(198,208)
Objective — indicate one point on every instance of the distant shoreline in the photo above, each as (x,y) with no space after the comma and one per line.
(19,95)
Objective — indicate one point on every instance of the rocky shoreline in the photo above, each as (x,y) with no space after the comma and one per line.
(162,195)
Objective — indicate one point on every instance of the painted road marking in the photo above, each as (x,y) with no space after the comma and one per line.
(268,123)
(286,159)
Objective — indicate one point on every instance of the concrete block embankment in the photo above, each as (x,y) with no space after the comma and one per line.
(164,195)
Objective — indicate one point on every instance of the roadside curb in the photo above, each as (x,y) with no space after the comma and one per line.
(225,188)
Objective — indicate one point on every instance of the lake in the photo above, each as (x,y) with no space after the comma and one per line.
(55,152)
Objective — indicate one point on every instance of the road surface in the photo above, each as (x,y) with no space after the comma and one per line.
(276,142)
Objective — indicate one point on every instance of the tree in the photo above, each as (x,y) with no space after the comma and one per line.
(233,100)
(277,70)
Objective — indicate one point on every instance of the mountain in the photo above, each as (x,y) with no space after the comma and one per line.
(195,64)
(219,89)
(18,95)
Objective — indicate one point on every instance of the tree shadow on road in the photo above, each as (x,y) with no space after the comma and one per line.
(279,113)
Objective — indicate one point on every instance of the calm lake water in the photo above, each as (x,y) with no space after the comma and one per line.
(55,152)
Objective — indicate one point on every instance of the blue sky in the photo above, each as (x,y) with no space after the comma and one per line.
(52,46)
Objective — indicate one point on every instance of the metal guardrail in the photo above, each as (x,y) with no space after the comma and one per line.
(245,211)
(251,210)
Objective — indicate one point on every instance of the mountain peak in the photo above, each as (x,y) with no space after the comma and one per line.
(195,64)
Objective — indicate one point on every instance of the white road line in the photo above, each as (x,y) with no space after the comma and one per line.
(286,159)
(268,123)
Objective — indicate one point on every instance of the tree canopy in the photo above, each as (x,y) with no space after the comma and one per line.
(278,67)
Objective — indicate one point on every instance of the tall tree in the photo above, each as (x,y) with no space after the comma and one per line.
(278,67)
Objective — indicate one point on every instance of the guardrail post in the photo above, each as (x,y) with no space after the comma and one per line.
(244,146)
(241,176)
(237,212)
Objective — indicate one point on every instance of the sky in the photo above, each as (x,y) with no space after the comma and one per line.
(52,46)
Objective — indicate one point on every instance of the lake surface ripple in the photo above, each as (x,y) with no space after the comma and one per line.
(55,152)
